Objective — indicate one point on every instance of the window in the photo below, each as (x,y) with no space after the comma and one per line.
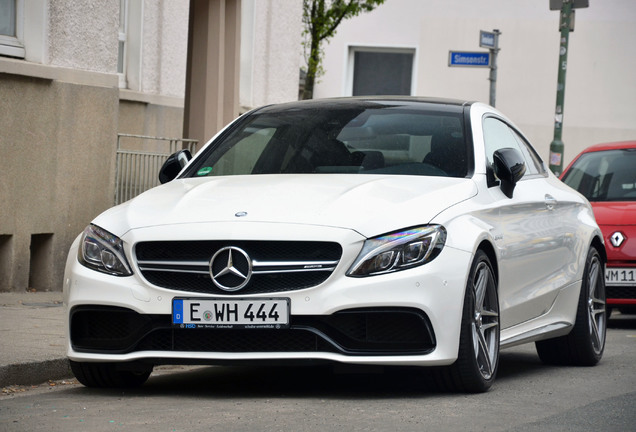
(354,139)
(604,175)
(130,44)
(11,28)
(377,71)
(498,135)
(121,52)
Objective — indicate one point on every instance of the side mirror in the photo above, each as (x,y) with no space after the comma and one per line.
(173,165)
(509,167)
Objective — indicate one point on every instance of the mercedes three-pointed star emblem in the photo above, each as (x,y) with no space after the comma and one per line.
(230,268)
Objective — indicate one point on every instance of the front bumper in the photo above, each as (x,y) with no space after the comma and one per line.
(410,317)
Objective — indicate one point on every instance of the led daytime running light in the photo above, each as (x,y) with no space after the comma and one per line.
(398,251)
(103,251)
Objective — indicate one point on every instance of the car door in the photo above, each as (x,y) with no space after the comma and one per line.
(531,233)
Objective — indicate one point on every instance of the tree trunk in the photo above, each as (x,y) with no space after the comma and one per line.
(312,67)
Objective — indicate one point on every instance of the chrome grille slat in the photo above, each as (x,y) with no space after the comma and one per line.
(276,266)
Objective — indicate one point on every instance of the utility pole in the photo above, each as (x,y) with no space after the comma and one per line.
(566,24)
(494,50)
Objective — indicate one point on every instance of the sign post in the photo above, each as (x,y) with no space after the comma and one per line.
(488,59)
(566,24)
(491,41)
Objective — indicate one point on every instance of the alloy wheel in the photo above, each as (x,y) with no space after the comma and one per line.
(596,304)
(485,325)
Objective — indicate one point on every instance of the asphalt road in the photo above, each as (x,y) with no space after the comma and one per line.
(528,396)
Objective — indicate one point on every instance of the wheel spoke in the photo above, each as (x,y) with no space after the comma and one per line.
(599,301)
(596,335)
(483,355)
(480,288)
(594,272)
(489,313)
(486,327)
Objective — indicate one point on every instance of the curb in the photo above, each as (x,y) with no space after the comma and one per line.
(32,373)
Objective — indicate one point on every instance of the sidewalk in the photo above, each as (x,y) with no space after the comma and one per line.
(32,342)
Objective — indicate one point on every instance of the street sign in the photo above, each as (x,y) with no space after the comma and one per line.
(576,4)
(487,39)
(469,58)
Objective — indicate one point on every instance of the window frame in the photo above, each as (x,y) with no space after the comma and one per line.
(13,46)
(122,49)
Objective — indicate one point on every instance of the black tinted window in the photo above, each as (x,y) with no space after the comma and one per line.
(604,175)
(356,140)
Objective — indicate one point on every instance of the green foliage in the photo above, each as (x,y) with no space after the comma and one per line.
(320,20)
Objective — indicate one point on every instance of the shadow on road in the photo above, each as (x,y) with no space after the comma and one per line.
(359,382)
(343,382)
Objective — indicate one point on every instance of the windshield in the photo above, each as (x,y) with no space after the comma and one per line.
(605,175)
(376,139)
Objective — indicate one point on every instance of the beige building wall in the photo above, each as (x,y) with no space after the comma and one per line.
(57,142)
(61,108)
(63,104)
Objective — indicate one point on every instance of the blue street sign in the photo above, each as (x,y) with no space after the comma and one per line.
(467,58)
(487,39)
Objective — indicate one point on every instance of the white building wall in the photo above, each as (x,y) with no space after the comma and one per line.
(600,86)
(164,47)
(82,34)
(270,43)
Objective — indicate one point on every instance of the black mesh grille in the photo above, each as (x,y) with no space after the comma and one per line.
(110,328)
(354,332)
(202,283)
(258,250)
(620,292)
(265,251)
(234,341)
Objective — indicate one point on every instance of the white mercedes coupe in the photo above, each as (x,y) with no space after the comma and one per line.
(383,231)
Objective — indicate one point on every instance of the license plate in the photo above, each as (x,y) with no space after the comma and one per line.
(620,276)
(271,313)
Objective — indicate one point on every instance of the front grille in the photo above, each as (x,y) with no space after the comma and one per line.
(234,341)
(277,265)
(385,331)
(620,292)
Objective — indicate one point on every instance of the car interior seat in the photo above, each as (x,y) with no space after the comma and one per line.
(448,152)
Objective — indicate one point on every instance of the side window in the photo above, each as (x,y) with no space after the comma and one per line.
(534,162)
(498,135)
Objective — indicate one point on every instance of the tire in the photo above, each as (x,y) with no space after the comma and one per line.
(584,345)
(478,356)
(109,375)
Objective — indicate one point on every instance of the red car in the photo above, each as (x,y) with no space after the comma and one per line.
(606,175)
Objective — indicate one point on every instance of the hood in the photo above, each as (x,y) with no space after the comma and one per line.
(615,213)
(368,204)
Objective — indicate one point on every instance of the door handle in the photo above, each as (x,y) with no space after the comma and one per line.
(550,202)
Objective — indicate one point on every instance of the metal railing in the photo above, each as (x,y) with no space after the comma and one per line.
(137,167)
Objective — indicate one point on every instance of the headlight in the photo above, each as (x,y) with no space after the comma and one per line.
(102,251)
(399,251)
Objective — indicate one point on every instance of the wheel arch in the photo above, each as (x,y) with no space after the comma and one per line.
(489,250)
(597,243)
